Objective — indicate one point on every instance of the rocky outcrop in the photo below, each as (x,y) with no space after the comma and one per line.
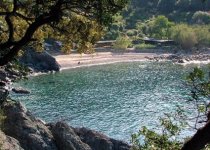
(181,58)
(98,141)
(29,131)
(9,143)
(20,91)
(8,74)
(66,138)
(39,61)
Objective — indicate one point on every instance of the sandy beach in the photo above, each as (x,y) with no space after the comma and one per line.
(100,58)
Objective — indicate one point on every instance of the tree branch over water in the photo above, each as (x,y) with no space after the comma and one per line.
(27,19)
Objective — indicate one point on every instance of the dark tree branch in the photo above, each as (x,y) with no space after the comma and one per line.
(53,16)
(14,6)
(24,17)
(10,26)
(4,13)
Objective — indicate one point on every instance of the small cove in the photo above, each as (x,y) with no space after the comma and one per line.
(116,99)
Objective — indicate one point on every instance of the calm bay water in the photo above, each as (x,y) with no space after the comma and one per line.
(116,99)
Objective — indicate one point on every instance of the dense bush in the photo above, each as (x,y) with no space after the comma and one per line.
(166,139)
(156,27)
(131,33)
(203,35)
(184,35)
(116,29)
(191,36)
(177,10)
(122,43)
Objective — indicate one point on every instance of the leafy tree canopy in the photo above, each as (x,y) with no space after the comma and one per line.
(79,22)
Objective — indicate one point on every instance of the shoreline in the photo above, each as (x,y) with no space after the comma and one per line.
(100,64)
(73,61)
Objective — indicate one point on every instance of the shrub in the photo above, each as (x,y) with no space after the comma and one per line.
(156,141)
(122,43)
(184,35)
(131,33)
(201,17)
(203,35)
(111,35)
(158,27)
(144,46)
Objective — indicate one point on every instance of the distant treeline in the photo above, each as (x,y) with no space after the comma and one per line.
(175,10)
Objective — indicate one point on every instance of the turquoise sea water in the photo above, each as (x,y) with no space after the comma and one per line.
(116,99)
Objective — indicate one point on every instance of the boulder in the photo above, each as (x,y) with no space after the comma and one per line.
(181,61)
(29,131)
(39,61)
(66,139)
(9,143)
(24,131)
(20,91)
(98,141)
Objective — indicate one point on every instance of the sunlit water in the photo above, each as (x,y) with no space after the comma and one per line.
(116,99)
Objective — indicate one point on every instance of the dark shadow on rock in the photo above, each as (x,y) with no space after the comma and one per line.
(39,61)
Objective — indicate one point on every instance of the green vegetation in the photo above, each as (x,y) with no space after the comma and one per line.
(176,11)
(122,43)
(157,27)
(184,35)
(153,140)
(29,22)
(144,46)
(81,24)
(163,20)
(190,36)
(203,35)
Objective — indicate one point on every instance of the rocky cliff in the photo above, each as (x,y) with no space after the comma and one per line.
(23,131)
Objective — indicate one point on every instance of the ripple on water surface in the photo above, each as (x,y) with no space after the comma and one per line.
(115,99)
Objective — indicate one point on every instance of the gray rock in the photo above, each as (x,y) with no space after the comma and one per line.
(20,91)
(98,141)
(181,61)
(172,57)
(3,83)
(9,143)
(29,131)
(39,61)
(66,139)
(3,94)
